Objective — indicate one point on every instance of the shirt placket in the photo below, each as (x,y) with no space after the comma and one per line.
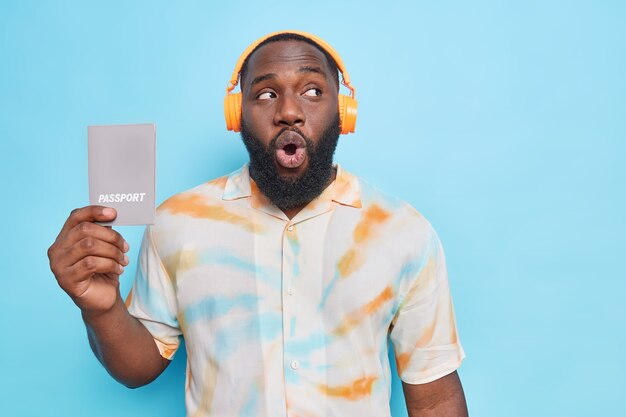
(290,273)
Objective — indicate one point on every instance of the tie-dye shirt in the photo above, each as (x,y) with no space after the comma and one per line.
(292,317)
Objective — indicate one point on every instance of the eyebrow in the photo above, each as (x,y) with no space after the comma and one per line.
(316,70)
(262,78)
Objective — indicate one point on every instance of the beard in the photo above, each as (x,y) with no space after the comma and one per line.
(287,192)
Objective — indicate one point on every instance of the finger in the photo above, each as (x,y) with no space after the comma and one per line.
(88,214)
(90,265)
(97,232)
(90,246)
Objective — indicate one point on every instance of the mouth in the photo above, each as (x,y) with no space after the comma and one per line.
(290,149)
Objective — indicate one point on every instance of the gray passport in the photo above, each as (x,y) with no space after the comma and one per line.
(122,171)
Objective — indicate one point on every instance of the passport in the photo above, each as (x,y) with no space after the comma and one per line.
(122,161)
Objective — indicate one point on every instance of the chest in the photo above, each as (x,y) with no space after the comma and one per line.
(305,277)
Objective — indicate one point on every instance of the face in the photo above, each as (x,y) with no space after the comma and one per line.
(290,121)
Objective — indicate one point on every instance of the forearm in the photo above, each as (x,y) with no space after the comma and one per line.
(453,406)
(440,398)
(124,346)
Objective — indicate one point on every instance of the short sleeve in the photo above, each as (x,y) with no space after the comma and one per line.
(424,333)
(152,299)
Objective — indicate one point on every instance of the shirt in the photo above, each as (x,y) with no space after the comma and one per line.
(292,317)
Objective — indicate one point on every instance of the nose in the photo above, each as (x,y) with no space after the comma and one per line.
(289,112)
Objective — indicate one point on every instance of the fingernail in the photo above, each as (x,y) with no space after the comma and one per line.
(120,268)
(108,212)
(126,247)
(126,259)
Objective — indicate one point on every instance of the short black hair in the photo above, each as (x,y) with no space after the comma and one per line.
(292,37)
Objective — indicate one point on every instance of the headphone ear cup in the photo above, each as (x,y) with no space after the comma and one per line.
(232,111)
(347,113)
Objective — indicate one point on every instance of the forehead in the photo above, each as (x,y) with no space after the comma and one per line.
(279,56)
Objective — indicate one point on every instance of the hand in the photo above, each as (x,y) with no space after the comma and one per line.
(87,259)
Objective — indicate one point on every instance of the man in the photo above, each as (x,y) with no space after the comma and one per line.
(286,277)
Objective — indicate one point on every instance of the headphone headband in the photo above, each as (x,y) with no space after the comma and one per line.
(234,79)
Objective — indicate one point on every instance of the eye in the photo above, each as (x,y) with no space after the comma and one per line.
(266,95)
(313,92)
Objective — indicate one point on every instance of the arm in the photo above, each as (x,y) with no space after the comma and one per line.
(443,397)
(124,346)
(87,260)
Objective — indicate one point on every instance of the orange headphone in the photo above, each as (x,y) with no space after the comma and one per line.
(347,104)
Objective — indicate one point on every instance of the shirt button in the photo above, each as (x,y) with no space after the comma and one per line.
(290,291)
(291,227)
(294,365)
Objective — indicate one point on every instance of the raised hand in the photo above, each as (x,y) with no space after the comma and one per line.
(87,259)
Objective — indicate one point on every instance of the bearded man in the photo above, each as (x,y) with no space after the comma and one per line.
(286,278)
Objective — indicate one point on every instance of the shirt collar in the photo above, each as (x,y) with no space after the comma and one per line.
(345,190)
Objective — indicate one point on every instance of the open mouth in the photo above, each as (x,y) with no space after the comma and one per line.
(290,149)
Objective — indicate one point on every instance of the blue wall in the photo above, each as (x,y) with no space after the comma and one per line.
(502,122)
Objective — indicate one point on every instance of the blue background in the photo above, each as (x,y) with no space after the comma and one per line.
(502,122)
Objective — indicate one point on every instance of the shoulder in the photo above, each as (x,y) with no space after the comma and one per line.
(398,220)
(190,201)
(396,207)
(184,210)
(181,215)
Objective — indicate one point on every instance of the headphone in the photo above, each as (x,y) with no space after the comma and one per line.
(347,104)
